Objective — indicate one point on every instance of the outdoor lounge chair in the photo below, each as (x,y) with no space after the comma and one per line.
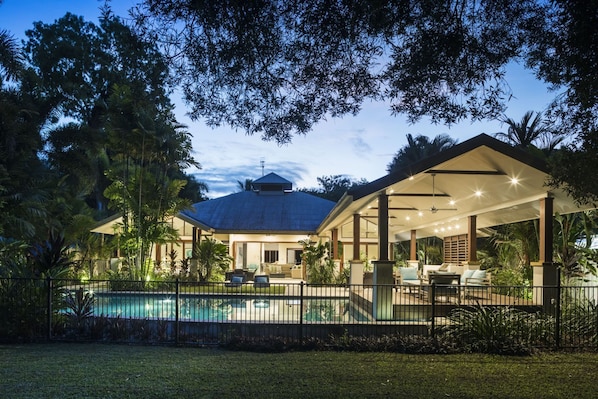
(476,283)
(409,279)
(261,281)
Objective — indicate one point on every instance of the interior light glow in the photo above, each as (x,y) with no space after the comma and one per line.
(452,202)
(407,218)
(514,180)
(478,193)
(420,213)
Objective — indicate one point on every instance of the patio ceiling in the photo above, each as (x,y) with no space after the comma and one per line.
(481,176)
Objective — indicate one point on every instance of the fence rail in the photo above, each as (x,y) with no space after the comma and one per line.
(189,313)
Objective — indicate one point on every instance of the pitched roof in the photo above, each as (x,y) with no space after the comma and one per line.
(248,211)
(271,178)
(482,176)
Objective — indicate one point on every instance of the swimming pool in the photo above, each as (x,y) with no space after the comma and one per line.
(223,309)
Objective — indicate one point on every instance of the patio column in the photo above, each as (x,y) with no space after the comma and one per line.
(546,274)
(382,226)
(472,245)
(334,247)
(356,276)
(383,274)
(196,237)
(413,262)
(356,236)
(335,244)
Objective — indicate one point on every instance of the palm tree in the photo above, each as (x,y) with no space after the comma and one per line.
(419,148)
(10,57)
(212,256)
(524,134)
(247,186)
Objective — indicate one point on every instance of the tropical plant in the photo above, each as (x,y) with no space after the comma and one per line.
(80,307)
(319,265)
(502,330)
(212,257)
(148,145)
(531,129)
(579,316)
(10,57)
(572,240)
(516,246)
(247,185)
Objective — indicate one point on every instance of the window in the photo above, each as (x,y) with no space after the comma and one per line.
(270,256)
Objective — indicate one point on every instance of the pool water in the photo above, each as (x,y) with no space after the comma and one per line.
(196,308)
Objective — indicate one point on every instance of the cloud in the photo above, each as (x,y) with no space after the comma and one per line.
(359,145)
(224,181)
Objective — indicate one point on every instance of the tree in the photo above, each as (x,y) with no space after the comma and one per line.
(212,255)
(148,145)
(333,187)
(419,148)
(78,64)
(10,57)
(524,134)
(276,67)
(245,186)
(318,262)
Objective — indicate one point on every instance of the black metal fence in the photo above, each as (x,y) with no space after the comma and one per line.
(215,313)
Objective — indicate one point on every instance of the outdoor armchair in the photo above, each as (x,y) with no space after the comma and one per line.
(476,282)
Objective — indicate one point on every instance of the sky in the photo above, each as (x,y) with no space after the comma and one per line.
(359,147)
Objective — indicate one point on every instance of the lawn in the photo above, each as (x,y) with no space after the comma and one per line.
(120,371)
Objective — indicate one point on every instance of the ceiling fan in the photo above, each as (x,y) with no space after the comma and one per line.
(433,208)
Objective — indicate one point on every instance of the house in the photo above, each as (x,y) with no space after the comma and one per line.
(457,195)
(262,226)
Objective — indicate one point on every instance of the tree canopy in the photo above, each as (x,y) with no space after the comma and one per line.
(278,67)
(333,187)
(418,148)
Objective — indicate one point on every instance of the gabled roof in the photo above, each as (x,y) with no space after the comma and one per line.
(250,212)
(481,164)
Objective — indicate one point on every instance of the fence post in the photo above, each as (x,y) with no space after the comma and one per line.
(49,309)
(177,311)
(433,302)
(301,312)
(557,316)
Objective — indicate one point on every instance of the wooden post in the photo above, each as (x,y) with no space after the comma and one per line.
(382,227)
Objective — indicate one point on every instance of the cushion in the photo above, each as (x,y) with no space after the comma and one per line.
(260,279)
(408,273)
(236,279)
(481,274)
(276,269)
(466,274)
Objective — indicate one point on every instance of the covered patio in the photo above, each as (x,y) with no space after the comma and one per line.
(458,195)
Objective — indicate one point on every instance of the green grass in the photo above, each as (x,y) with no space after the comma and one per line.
(118,371)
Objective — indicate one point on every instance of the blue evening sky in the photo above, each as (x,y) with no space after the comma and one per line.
(360,146)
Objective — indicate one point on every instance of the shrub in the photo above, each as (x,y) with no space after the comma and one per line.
(501,330)
(580,319)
